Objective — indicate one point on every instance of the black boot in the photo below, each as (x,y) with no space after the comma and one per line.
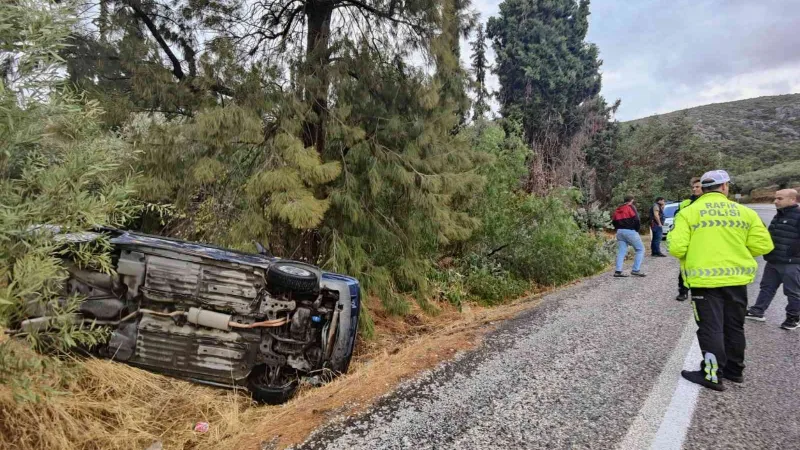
(699,377)
(734,378)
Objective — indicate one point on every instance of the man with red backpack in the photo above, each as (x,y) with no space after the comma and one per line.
(626,222)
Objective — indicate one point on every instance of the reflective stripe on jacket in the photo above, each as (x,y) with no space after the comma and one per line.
(716,241)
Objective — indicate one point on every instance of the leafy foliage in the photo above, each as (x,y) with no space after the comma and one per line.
(31,377)
(395,205)
(657,159)
(479,68)
(549,82)
(546,70)
(524,233)
(592,218)
(58,167)
(784,175)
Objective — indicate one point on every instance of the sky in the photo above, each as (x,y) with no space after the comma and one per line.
(666,55)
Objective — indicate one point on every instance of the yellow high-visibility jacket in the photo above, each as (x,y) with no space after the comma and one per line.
(716,240)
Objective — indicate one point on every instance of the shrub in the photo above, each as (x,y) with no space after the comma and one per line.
(494,288)
(530,238)
(782,175)
(592,218)
(58,168)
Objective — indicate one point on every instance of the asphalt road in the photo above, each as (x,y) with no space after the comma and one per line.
(597,365)
(765,411)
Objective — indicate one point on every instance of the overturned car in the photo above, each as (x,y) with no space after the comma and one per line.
(216,316)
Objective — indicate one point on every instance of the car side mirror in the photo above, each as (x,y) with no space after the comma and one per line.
(262,250)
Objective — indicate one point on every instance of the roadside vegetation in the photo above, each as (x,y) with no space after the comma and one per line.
(652,158)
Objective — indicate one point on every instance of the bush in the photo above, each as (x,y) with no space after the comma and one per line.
(58,168)
(551,249)
(592,218)
(782,175)
(494,288)
(530,238)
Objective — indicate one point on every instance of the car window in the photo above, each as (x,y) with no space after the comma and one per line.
(669,210)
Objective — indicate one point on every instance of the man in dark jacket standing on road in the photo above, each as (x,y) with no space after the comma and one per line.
(657,226)
(697,191)
(783,263)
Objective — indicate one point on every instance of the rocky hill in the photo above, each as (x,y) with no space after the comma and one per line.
(756,137)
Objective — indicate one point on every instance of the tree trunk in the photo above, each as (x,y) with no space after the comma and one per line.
(318,14)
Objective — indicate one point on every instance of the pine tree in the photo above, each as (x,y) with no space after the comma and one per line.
(457,21)
(336,151)
(479,68)
(403,169)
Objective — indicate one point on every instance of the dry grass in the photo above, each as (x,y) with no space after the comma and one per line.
(108,405)
(113,406)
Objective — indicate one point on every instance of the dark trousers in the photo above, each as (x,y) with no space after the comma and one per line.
(682,289)
(655,245)
(719,313)
(774,276)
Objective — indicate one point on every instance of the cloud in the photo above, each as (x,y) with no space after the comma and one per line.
(663,55)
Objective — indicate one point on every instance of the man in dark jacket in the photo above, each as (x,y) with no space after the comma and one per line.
(697,191)
(657,226)
(627,223)
(783,263)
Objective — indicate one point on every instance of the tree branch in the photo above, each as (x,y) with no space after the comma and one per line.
(177,70)
(388,15)
(497,250)
(280,34)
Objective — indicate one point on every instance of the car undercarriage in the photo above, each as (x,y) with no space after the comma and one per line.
(214,316)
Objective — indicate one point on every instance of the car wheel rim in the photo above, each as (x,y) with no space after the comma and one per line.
(291,270)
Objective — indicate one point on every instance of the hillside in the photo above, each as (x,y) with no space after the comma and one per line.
(752,135)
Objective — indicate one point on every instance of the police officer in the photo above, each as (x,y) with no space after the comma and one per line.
(697,191)
(717,241)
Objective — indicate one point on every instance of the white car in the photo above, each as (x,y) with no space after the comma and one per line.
(669,217)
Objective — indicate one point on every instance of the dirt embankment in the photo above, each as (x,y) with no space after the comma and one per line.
(108,405)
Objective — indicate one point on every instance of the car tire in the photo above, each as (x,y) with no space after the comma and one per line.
(343,345)
(269,394)
(293,277)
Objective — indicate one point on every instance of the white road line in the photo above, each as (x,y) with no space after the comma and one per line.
(678,417)
(664,417)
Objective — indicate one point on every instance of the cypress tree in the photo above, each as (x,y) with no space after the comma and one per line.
(479,68)
(547,73)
